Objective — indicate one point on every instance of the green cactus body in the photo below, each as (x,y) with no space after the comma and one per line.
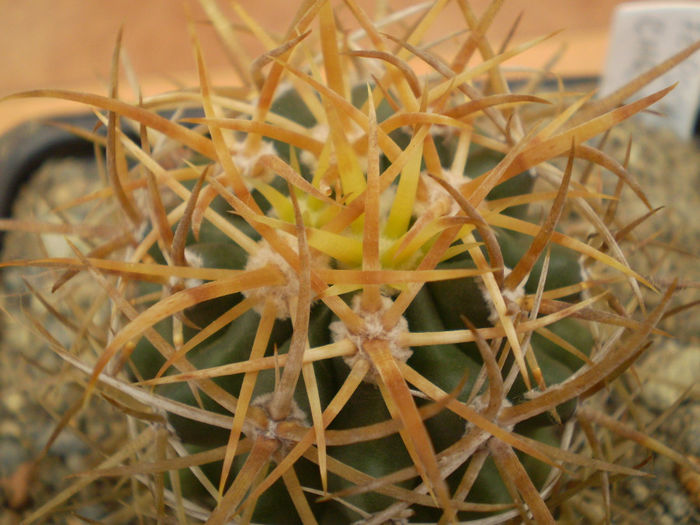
(438,307)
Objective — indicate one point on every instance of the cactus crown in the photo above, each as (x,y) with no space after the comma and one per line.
(342,290)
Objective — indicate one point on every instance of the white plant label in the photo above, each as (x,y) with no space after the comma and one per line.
(644,34)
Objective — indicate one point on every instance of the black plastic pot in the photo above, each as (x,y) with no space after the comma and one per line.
(26,147)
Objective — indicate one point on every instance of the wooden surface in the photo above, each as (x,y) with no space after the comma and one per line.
(68,43)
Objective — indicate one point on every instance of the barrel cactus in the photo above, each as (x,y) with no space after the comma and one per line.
(342,293)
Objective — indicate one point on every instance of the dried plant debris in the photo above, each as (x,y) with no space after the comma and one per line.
(374,283)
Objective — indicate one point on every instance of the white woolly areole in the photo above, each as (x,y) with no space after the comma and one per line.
(479,404)
(308,159)
(246,162)
(372,329)
(430,193)
(282,295)
(195,261)
(193,258)
(321,132)
(296,415)
(512,298)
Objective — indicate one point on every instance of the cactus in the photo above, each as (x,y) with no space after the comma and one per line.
(341,293)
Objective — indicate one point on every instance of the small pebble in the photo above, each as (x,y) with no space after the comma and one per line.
(666,520)
(65,444)
(640,492)
(13,401)
(691,432)
(657,509)
(668,373)
(663,466)
(75,462)
(10,428)
(676,504)
(12,453)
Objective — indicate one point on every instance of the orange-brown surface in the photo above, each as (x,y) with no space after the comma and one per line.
(68,43)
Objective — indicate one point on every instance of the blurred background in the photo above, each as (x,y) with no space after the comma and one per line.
(68,43)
